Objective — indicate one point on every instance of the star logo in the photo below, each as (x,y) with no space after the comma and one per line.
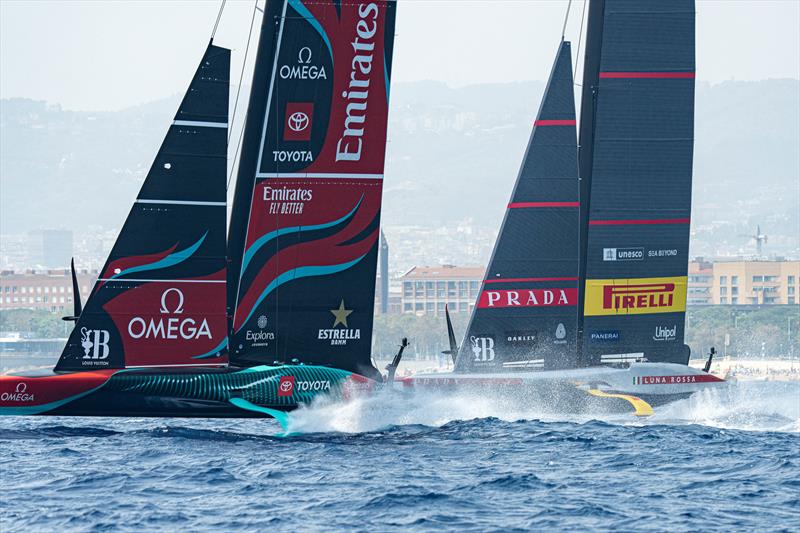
(340,315)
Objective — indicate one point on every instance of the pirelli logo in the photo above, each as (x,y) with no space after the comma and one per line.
(635,296)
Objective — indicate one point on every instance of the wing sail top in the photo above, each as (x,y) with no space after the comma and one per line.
(309,200)
(526,314)
(160,298)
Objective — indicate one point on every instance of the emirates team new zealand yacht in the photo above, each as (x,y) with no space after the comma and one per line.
(183,322)
(583,305)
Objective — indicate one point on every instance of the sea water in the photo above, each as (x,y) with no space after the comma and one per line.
(725,459)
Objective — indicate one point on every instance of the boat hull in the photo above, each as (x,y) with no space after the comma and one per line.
(259,392)
(636,388)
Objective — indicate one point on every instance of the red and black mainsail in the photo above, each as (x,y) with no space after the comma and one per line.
(160,298)
(303,239)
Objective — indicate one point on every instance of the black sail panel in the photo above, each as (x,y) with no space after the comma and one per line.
(640,182)
(309,200)
(160,298)
(526,314)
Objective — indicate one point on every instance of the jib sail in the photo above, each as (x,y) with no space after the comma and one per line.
(305,224)
(636,143)
(526,314)
(160,298)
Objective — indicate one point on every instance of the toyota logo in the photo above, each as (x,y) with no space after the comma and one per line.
(286,386)
(298,121)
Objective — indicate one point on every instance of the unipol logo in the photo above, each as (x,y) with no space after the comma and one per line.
(286,386)
(482,348)
(169,324)
(664,333)
(299,116)
(95,343)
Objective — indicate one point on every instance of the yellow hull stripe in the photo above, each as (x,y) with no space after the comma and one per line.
(642,407)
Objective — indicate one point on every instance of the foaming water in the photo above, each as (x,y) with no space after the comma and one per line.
(723,460)
(755,406)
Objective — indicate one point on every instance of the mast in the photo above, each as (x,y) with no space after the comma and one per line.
(251,144)
(591,78)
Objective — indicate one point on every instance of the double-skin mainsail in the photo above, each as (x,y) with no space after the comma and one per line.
(303,239)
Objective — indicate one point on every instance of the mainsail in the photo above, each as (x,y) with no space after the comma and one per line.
(636,142)
(303,239)
(526,315)
(160,298)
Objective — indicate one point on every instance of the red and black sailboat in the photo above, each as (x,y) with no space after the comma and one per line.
(585,294)
(183,323)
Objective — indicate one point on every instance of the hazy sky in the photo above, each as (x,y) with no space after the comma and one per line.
(94,55)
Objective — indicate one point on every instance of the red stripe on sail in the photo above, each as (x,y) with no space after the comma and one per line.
(648,75)
(521,205)
(638,222)
(524,280)
(554,123)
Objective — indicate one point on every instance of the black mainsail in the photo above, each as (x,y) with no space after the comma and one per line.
(636,139)
(160,298)
(526,314)
(304,233)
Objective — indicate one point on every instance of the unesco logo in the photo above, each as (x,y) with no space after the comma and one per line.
(298,121)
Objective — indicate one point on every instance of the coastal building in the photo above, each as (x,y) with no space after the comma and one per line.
(49,290)
(426,289)
(755,283)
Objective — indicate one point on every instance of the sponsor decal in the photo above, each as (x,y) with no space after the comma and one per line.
(286,386)
(172,327)
(95,344)
(304,69)
(339,336)
(313,386)
(635,296)
(482,348)
(260,338)
(561,334)
(349,145)
(623,254)
(675,380)
(20,394)
(298,121)
(527,298)
(604,336)
(287,200)
(662,253)
(521,338)
(664,333)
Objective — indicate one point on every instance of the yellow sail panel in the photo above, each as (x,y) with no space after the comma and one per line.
(636,296)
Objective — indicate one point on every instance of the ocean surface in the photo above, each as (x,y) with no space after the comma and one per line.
(723,460)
